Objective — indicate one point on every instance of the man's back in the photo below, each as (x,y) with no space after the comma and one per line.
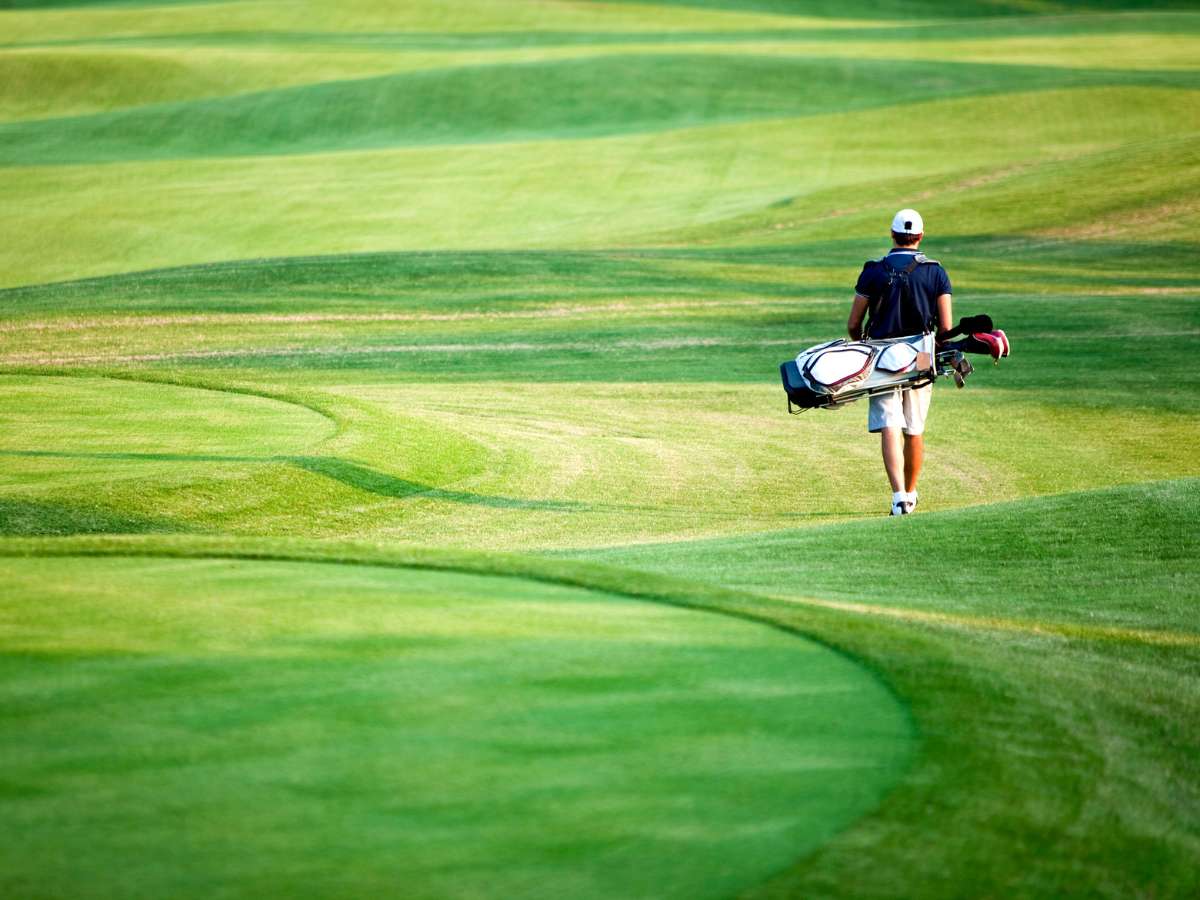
(893,310)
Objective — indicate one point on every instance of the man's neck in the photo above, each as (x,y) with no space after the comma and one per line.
(913,248)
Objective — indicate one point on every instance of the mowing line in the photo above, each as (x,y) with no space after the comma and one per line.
(589,577)
(1011,626)
(679,343)
(554,311)
(195,384)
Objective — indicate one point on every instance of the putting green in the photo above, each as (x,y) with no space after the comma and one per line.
(212,726)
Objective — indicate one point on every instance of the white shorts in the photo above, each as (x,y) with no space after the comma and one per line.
(900,409)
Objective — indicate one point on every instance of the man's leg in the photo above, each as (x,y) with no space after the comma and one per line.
(887,418)
(914,457)
(893,443)
(916,409)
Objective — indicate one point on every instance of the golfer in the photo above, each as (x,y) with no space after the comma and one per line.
(905,294)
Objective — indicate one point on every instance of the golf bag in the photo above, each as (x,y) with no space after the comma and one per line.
(835,373)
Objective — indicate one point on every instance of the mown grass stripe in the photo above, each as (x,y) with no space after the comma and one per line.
(583,98)
(1154,637)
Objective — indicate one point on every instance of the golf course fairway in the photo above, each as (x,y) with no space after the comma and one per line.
(469,735)
(398,496)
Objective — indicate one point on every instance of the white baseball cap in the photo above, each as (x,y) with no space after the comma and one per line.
(908,221)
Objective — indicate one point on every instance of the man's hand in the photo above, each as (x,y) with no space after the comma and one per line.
(968,325)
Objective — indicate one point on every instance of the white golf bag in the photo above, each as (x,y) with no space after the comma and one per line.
(835,373)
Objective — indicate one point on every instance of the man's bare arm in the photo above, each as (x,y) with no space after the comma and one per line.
(858,311)
(945,313)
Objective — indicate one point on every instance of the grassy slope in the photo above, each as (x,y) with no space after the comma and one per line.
(1117,557)
(577,350)
(597,193)
(515,102)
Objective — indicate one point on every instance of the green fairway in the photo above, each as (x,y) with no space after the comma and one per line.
(397,495)
(191,720)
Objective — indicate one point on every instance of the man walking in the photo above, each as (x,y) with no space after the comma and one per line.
(905,294)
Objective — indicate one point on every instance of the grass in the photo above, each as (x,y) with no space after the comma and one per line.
(495,691)
(526,101)
(395,486)
(596,195)
(1138,582)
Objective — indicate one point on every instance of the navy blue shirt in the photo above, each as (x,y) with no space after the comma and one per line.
(929,281)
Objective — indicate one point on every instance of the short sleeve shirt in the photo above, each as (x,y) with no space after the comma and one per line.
(929,281)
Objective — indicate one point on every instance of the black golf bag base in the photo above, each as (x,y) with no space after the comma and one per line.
(800,396)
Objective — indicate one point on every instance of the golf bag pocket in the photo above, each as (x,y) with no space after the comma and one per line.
(838,366)
(901,357)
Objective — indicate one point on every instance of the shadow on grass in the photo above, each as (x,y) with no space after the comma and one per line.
(381,484)
(46,518)
(375,482)
(449,281)
(352,474)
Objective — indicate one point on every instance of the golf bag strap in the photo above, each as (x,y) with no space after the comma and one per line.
(918,259)
(873,303)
